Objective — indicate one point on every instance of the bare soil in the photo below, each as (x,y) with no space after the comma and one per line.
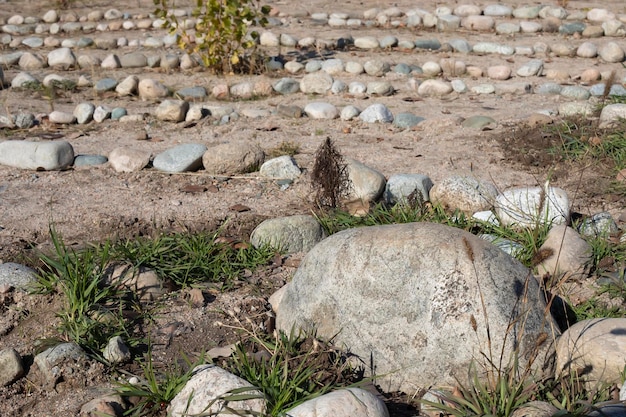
(91,204)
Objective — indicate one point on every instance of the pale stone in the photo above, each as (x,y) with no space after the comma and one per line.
(124,159)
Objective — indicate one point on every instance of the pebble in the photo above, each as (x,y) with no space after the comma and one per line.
(611,114)
(431,69)
(24,120)
(388,41)
(125,159)
(333,66)
(613,28)
(531,68)
(527,12)
(293,67)
(338,87)
(22,79)
(105,84)
(101,113)
(530,27)
(321,110)
(484,89)
(508,28)
(61,117)
(182,158)
(29,61)
(376,113)
(493,48)
(316,83)
(459,86)
(89,160)
(282,167)
(611,52)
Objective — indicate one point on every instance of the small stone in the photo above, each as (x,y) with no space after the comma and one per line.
(24,120)
(269,39)
(16,275)
(191,93)
(232,158)
(434,88)
(89,160)
(376,68)
(376,113)
(587,50)
(380,88)
(61,117)
(321,110)
(530,27)
(101,113)
(293,67)
(493,48)
(349,113)
(282,167)
(11,365)
(30,61)
(531,68)
(499,10)
(431,69)
(366,42)
(590,75)
(51,16)
(111,61)
(430,44)
(353,67)
(564,50)
(105,84)
(133,60)
(478,23)
(172,110)
(614,28)
(467,194)
(182,158)
(150,89)
(593,32)
(611,52)
(499,72)
(116,351)
(338,87)
(128,160)
(316,83)
(527,12)
(484,89)
(611,114)
(84,112)
(406,120)
(575,92)
(478,122)
(128,86)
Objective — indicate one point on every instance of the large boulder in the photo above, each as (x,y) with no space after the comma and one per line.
(408,300)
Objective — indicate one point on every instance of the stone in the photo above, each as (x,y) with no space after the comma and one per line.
(400,187)
(150,89)
(458,86)
(231,158)
(182,158)
(345,402)
(142,282)
(125,159)
(357,88)
(105,406)
(104,85)
(289,110)
(133,60)
(599,225)
(600,15)
(380,88)
(128,86)
(116,351)
(467,194)
(30,62)
(293,67)
(289,234)
(613,28)
(111,61)
(593,32)
(313,66)
(89,160)
(53,155)
(499,72)
(595,345)
(51,16)
(269,39)
(11,365)
(24,120)
(101,113)
(243,90)
(83,113)
(172,110)
(590,75)
(376,112)
(406,120)
(118,112)
(575,92)
(62,58)
(499,10)
(535,409)
(431,69)
(113,14)
(282,167)
(349,112)
(508,28)
(565,253)
(493,48)
(478,122)
(376,67)
(61,117)
(576,109)
(201,394)
(33,42)
(388,41)
(587,50)
(22,80)
(460,45)
(366,42)
(316,83)
(448,23)
(611,52)
(321,110)
(18,276)
(571,28)
(399,297)
(611,114)
(52,361)
(528,207)
(7,60)
(338,87)
(464,10)
(478,23)
(364,184)
(434,88)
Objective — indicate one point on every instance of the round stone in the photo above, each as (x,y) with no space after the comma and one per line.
(499,72)
(321,110)
(587,50)
(611,52)
(366,42)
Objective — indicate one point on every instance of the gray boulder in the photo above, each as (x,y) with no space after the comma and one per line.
(467,194)
(53,155)
(408,300)
(292,234)
(282,167)
(365,184)
(181,158)
(401,186)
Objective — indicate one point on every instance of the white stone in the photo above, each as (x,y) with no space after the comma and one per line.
(348,402)
(124,159)
(53,155)
(289,234)
(365,184)
(376,113)
(611,114)
(564,252)
(150,89)
(528,207)
(434,88)
(321,110)
(467,194)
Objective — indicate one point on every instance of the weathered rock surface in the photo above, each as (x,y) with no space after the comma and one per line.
(237,157)
(292,234)
(349,402)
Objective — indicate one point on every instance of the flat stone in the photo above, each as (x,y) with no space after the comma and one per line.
(478,122)
(61,117)
(24,120)
(52,155)
(508,28)
(105,84)
(527,12)
(286,86)
(118,112)
(460,45)
(23,79)
(366,42)
(493,48)
(346,402)
(575,92)
(434,88)
(333,66)
(570,28)
(29,61)
(376,67)
(182,158)
(380,88)
(614,28)
(89,160)
(291,234)
(430,44)
(478,23)
(464,193)
(484,89)
(406,120)
(191,93)
(580,108)
(133,60)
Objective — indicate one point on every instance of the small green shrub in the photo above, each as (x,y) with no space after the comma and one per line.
(221,35)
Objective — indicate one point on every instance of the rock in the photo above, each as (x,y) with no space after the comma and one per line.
(243,90)
(104,85)
(347,402)
(51,16)
(400,187)
(460,45)
(388,41)
(464,10)
(338,87)
(208,384)
(431,69)
(11,365)
(289,111)
(593,32)
(286,86)
(282,167)
(33,42)
(365,184)
(499,10)
(353,67)
(478,23)
(236,157)
(357,88)
(150,89)
(478,122)
(142,282)
(53,361)
(53,155)
(290,234)
(349,112)
(89,160)
(133,60)
(596,346)
(128,160)
(493,48)
(317,83)
(83,113)
(565,253)
(531,68)
(30,62)
(576,109)
(376,67)
(101,113)
(16,276)
(116,351)
(535,409)
(321,110)
(333,66)
(458,86)
(448,23)
(376,112)
(575,92)
(172,110)
(499,72)
(24,120)
(587,50)
(434,88)
(406,120)
(380,88)
(508,28)
(182,158)
(366,42)
(61,117)
(128,86)
(313,66)
(607,409)
(598,225)
(533,206)
(293,67)
(111,61)
(269,39)
(611,114)
(113,14)
(611,52)
(467,194)
(507,246)
(106,405)
(359,286)
(571,28)
(613,28)
(600,15)
(61,58)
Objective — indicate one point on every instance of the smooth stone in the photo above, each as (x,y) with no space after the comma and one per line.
(116,351)
(460,45)
(338,87)
(380,88)
(499,10)
(182,158)
(579,108)
(22,79)
(464,10)
(231,158)
(388,41)
(84,113)
(459,86)
(406,120)
(464,193)
(111,61)
(508,28)
(430,44)
(124,159)
(51,16)
(290,234)
(532,206)
(150,89)
(53,155)
(11,365)
(530,27)
(105,84)
(527,12)
(288,40)
(549,89)
(593,32)
(61,117)
(507,246)
(152,42)
(553,11)
(514,88)
(478,122)
(55,80)
(484,89)
(400,187)
(402,68)
(191,93)
(366,42)
(282,167)
(89,160)
(493,48)
(349,112)
(431,69)
(611,52)
(133,60)
(16,275)
(293,67)
(611,114)
(448,23)
(333,66)
(101,113)
(570,28)
(243,90)
(321,110)
(128,86)
(33,42)
(614,28)
(289,111)
(563,50)
(51,361)
(376,67)
(269,39)
(345,402)
(30,62)
(499,72)
(25,120)
(357,88)
(376,112)
(590,75)
(353,67)
(565,252)
(364,184)
(172,110)
(587,50)
(575,92)
(600,15)
(10,59)
(434,88)
(286,86)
